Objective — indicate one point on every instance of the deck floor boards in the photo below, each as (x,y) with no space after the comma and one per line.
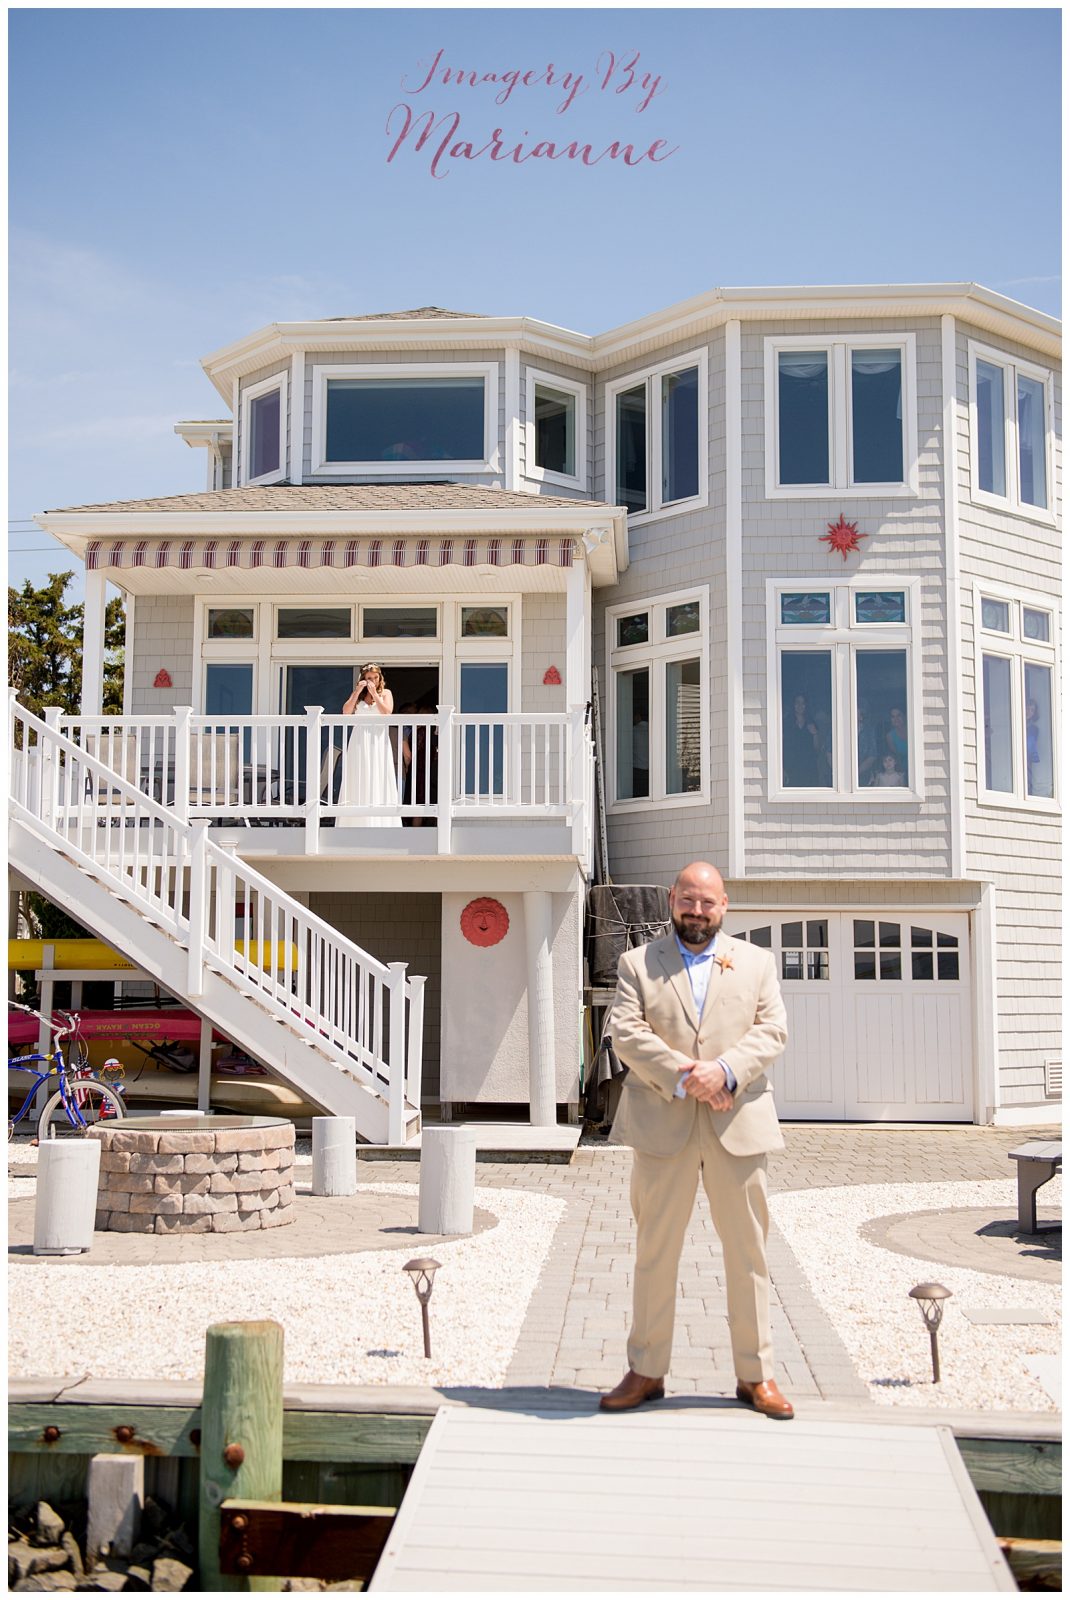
(731,1502)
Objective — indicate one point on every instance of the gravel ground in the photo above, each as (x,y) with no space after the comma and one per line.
(348,1318)
(865,1291)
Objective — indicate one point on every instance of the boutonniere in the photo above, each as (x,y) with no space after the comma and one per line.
(724,962)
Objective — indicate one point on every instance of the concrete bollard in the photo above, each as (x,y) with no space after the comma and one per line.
(447,1180)
(334,1155)
(68,1172)
(116,1491)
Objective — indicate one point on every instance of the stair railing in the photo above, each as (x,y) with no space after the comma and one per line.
(365,1014)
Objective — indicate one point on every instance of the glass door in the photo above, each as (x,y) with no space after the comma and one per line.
(484,693)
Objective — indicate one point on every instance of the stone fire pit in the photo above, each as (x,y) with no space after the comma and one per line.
(195,1174)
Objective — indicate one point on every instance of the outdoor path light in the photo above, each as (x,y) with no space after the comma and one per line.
(930,1298)
(422,1272)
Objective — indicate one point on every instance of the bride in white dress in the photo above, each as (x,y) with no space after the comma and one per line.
(369,775)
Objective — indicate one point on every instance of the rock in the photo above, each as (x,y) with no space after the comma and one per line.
(156,1517)
(50,1525)
(302,1586)
(178,1539)
(70,1545)
(138,1576)
(111,1582)
(25,1560)
(44,1582)
(170,1575)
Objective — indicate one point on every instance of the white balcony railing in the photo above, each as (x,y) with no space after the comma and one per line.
(353,771)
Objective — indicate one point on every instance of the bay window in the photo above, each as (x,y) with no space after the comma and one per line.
(659,690)
(843,691)
(1016,762)
(556,429)
(841,416)
(263,423)
(657,437)
(1010,433)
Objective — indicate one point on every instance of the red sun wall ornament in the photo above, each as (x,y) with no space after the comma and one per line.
(551,675)
(162,680)
(843,536)
(484,922)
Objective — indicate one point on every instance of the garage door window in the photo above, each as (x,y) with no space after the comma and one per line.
(804,950)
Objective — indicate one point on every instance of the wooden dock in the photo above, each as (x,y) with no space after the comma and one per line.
(529,1501)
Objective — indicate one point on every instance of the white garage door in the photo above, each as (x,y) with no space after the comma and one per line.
(878,1013)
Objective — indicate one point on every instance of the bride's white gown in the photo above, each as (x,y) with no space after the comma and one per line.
(368,773)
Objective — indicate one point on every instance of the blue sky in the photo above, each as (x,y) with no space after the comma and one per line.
(181,177)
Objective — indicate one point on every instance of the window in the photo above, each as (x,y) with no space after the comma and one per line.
(656,426)
(232,623)
(264,431)
(556,429)
(659,688)
(843,692)
(484,622)
(1017,672)
(1011,412)
(314,622)
(840,416)
(399,622)
(405,419)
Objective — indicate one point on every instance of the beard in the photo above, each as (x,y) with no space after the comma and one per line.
(696,929)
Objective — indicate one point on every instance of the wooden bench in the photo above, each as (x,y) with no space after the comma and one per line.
(1038,1162)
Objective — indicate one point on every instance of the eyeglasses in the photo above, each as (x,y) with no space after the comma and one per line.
(686,902)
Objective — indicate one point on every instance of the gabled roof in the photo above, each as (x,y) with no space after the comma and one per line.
(343,497)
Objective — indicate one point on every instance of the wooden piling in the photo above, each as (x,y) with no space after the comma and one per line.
(241,1428)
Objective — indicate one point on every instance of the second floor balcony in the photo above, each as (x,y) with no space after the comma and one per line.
(319,784)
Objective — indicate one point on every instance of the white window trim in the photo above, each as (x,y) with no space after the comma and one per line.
(487,370)
(655,656)
(648,376)
(1018,650)
(550,380)
(1012,501)
(839,346)
(254,392)
(843,637)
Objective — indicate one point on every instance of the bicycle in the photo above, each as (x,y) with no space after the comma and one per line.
(82,1097)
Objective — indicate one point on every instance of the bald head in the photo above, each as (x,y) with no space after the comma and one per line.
(697,903)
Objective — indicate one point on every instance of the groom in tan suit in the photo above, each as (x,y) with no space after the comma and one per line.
(698,1018)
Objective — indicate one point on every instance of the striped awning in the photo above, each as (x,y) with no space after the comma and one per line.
(213,555)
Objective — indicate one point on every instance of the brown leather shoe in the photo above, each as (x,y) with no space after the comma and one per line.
(632,1390)
(766,1398)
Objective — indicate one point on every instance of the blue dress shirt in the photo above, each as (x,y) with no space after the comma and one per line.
(698,964)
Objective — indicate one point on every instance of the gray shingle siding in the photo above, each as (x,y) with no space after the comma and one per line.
(163,638)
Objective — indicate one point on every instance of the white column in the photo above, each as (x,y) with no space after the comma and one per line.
(733,643)
(956,787)
(577,632)
(93,644)
(987,1088)
(542,1066)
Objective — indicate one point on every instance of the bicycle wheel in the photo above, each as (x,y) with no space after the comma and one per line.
(95,1101)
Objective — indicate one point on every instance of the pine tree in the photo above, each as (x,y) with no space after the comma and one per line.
(44,649)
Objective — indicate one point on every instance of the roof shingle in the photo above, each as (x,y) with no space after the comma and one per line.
(340,497)
(426,313)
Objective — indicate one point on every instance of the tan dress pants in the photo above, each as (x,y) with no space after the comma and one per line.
(663,1196)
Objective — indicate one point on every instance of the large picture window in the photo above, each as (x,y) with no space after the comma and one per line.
(1016,654)
(840,416)
(659,692)
(842,691)
(656,434)
(405,418)
(1010,433)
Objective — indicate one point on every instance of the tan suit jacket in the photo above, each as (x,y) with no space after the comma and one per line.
(656,1031)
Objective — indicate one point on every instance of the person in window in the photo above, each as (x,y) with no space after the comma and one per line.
(896,739)
(889,777)
(868,754)
(369,770)
(803,763)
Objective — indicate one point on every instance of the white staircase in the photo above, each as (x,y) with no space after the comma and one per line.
(338,1026)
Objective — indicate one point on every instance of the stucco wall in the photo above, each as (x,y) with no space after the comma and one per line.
(485,1046)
